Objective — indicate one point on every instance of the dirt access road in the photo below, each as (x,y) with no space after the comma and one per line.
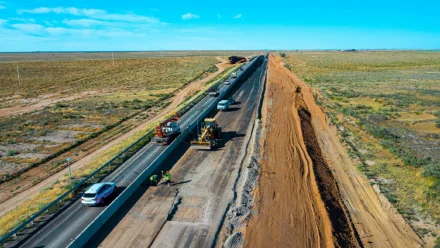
(189,213)
(42,102)
(309,193)
(8,201)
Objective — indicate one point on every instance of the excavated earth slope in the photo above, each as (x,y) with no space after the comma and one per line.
(309,193)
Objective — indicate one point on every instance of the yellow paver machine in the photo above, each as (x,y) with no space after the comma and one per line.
(208,136)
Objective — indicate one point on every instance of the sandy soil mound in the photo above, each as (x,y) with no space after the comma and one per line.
(310,194)
(290,212)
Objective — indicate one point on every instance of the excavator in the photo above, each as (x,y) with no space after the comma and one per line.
(208,137)
(167,131)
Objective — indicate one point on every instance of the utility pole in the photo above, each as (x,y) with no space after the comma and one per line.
(70,171)
(113,59)
(18,75)
(161,53)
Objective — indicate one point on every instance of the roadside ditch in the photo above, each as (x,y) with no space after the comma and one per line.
(344,233)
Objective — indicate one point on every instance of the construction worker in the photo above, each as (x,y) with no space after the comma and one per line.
(153,180)
(168,177)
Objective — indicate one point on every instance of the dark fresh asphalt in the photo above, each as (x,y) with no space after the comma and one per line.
(66,226)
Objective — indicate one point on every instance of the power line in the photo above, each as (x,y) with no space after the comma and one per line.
(18,75)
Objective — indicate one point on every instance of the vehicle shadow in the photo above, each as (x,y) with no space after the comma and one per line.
(177,183)
(231,110)
(226,137)
(109,200)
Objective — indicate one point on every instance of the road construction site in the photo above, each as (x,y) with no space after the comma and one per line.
(278,177)
(65,227)
(189,212)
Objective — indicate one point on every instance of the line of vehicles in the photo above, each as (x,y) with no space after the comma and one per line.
(208,136)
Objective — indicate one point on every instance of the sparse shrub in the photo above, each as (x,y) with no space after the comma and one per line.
(432,192)
(71,184)
(11,153)
(137,101)
(125,103)
(43,133)
(431,170)
(212,69)
(379,132)
(437,123)
(437,242)
(68,116)
(136,107)
(377,118)
(283,55)
(59,105)
(407,157)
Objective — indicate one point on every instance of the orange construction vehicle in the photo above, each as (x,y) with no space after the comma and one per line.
(167,131)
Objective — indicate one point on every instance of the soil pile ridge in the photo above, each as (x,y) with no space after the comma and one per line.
(310,193)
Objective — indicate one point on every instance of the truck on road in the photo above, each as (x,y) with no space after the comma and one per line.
(223,105)
(214,92)
(167,131)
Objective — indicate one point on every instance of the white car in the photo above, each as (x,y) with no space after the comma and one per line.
(223,105)
(98,193)
(227,82)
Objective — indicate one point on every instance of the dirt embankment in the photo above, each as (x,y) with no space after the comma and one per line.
(290,211)
(309,193)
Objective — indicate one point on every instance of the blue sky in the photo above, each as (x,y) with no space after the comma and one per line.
(49,25)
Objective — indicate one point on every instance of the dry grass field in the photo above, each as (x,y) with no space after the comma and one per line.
(58,56)
(114,93)
(386,105)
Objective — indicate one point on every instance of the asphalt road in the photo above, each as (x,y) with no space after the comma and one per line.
(203,181)
(67,225)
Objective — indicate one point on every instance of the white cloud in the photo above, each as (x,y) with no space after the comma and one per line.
(56,30)
(95,14)
(61,10)
(49,23)
(197,30)
(42,10)
(195,38)
(238,16)
(219,16)
(30,20)
(84,22)
(2,7)
(29,28)
(3,21)
(189,16)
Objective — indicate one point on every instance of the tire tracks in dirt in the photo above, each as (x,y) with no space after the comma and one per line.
(289,210)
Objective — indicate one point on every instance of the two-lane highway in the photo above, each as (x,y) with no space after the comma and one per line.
(66,226)
(190,211)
